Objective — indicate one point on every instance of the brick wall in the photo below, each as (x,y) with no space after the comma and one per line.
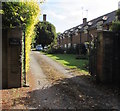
(76,39)
(4,60)
(12,58)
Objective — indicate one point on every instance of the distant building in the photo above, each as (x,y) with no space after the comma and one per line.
(83,32)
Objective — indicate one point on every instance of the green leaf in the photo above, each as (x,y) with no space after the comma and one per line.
(1,12)
(22,19)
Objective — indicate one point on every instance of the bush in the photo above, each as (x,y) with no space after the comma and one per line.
(115,26)
(81,49)
(71,50)
(55,51)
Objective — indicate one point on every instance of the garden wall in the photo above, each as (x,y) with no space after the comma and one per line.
(105,57)
(11,58)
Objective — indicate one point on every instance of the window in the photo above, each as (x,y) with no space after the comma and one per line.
(74,45)
(69,45)
(65,45)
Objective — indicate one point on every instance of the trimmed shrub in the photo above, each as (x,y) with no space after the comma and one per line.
(55,51)
(71,50)
(81,49)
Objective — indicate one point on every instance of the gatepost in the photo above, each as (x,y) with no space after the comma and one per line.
(12,48)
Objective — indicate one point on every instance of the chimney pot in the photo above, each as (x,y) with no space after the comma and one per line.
(44,17)
(84,20)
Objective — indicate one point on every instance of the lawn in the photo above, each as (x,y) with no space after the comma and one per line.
(70,61)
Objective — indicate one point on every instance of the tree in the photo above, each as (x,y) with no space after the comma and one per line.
(45,33)
(116,24)
(17,13)
(58,33)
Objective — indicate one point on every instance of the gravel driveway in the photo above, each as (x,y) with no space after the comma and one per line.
(55,87)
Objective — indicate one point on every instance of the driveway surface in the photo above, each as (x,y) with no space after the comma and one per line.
(55,87)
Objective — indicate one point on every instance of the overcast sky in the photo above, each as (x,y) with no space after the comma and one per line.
(65,14)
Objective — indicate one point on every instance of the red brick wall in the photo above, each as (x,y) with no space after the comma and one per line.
(83,37)
(76,39)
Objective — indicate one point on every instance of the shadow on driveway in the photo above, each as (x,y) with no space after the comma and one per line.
(70,93)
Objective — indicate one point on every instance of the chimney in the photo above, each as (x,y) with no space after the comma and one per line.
(44,17)
(84,20)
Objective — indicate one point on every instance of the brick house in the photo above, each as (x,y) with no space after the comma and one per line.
(83,32)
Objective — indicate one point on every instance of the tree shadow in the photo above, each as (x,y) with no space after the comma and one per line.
(70,93)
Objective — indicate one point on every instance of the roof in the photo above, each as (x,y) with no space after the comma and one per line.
(110,17)
(106,18)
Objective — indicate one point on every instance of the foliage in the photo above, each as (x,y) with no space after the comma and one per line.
(116,24)
(55,51)
(118,12)
(83,49)
(71,50)
(45,33)
(79,49)
(17,14)
(58,33)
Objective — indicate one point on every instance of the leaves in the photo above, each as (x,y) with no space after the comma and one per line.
(17,13)
(45,33)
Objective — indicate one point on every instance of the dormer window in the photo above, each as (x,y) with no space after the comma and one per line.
(100,25)
(79,27)
(63,34)
(71,29)
(105,18)
(76,30)
(90,23)
(66,32)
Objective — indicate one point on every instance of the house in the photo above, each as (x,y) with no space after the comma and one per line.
(83,32)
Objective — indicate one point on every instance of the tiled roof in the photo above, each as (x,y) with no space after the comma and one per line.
(107,18)
(110,17)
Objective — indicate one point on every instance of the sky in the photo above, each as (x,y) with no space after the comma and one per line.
(65,14)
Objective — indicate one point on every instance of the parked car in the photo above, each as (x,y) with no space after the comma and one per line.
(39,48)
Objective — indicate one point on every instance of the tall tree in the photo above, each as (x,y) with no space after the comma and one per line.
(45,33)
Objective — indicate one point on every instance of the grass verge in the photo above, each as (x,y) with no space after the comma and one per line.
(70,61)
